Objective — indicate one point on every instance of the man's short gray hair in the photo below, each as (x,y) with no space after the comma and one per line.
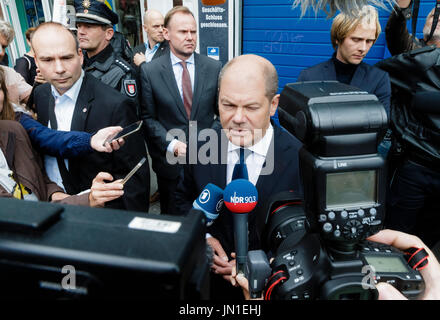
(7,31)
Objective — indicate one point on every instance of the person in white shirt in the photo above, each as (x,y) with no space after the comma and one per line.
(247,99)
(155,45)
(179,90)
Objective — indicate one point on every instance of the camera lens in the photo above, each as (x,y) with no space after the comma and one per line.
(285,221)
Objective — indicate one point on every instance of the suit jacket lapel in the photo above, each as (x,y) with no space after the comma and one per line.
(358,76)
(267,182)
(170,81)
(218,172)
(43,107)
(199,75)
(83,105)
(43,115)
(329,72)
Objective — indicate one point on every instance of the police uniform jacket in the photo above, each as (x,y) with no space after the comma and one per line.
(113,71)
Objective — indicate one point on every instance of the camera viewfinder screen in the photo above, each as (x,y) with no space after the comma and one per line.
(348,189)
(386,264)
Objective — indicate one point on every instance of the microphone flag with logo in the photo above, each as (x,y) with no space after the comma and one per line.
(210,202)
(240,197)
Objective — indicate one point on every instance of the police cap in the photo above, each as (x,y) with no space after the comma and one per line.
(94,12)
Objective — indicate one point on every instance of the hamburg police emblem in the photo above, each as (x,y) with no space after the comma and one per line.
(130,88)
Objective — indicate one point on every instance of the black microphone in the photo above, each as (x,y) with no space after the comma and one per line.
(240,197)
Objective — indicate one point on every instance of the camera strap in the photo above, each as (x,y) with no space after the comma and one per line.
(415,13)
(275,279)
(417,258)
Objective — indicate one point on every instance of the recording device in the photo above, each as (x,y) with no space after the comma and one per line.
(133,171)
(319,246)
(132,128)
(210,202)
(240,197)
(55,251)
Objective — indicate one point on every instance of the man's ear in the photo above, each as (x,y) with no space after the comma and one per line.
(81,55)
(109,32)
(166,34)
(274,104)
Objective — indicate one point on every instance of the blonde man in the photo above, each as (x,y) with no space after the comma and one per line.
(352,38)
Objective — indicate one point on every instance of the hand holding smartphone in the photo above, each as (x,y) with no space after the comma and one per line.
(133,171)
(132,128)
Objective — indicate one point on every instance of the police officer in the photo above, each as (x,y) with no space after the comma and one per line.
(94,21)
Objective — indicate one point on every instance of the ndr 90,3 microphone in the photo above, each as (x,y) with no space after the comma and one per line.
(240,197)
(210,202)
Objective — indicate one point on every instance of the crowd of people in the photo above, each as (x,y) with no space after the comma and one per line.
(76,88)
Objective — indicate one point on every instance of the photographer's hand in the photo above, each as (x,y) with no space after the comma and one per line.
(241,281)
(221,264)
(430,274)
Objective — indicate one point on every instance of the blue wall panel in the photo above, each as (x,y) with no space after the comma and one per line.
(272,29)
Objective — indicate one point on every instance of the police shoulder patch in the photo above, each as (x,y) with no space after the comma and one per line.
(130,88)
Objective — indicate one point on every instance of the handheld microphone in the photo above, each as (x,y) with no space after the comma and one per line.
(210,202)
(240,197)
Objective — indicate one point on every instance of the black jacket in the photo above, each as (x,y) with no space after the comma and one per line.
(415,112)
(100,106)
(163,49)
(162,107)
(285,177)
(366,77)
(114,71)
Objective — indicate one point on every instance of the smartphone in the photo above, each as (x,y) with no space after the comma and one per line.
(133,171)
(132,128)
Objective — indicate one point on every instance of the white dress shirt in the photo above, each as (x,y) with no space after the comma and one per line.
(149,52)
(254,162)
(64,107)
(178,71)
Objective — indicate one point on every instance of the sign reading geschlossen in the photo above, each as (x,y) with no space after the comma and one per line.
(213,29)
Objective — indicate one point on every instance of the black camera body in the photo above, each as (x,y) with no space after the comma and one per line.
(312,272)
(319,246)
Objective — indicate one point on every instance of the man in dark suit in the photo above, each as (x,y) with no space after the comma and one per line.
(75,100)
(179,93)
(155,44)
(247,100)
(352,37)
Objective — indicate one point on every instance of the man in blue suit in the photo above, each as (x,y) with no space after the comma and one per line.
(352,38)
(247,99)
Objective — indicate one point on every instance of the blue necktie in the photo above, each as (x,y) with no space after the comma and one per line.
(240,168)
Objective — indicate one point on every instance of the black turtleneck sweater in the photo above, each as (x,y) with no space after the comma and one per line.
(344,71)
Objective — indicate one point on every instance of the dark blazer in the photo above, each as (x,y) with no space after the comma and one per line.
(163,49)
(366,77)
(285,177)
(98,106)
(162,106)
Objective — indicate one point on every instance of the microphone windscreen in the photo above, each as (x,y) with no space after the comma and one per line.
(240,196)
(210,202)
